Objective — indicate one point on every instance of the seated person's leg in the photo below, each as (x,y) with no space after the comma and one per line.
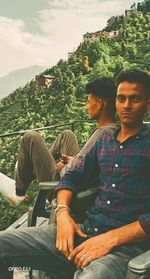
(31,248)
(66,143)
(34,161)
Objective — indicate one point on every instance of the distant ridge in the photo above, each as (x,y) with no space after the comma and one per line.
(17,78)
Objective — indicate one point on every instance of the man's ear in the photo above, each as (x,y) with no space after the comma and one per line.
(100,101)
(103,104)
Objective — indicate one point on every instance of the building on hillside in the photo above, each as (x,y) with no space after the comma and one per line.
(85,65)
(70,53)
(86,36)
(95,35)
(128,12)
(44,80)
(140,14)
(113,34)
(98,34)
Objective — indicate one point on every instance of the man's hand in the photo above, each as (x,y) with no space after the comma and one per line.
(66,158)
(60,165)
(92,249)
(66,228)
(102,244)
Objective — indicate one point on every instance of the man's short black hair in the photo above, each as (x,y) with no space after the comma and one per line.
(134,75)
(102,88)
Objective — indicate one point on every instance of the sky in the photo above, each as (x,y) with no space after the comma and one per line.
(41,32)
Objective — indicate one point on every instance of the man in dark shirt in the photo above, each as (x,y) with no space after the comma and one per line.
(118,224)
(121,211)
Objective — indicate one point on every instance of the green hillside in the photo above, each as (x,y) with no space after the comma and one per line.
(104,55)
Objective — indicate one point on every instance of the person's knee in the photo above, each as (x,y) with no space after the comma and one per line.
(85,273)
(31,135)
(95,270)
(68,133)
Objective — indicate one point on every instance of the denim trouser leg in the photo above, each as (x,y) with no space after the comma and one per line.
(111,266)
(35,247)
(31,247)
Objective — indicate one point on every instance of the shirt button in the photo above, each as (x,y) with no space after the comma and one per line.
(116,165)
(121,146)
(137,137)
(108,202)
(113,185)
(96,229)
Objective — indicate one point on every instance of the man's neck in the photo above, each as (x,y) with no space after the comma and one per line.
(127,131)
(102,122)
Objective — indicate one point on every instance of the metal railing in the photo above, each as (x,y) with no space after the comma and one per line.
(70,123)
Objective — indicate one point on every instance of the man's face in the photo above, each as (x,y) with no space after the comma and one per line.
(93,107)
(131,103)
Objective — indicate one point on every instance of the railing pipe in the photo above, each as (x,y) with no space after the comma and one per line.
(71,123)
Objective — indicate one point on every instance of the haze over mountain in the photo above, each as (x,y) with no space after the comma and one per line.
(17,78)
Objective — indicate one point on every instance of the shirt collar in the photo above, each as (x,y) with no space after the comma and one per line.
(144,131)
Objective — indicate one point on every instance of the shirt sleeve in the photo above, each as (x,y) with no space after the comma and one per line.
(84,171)
(97,134)
(145,223)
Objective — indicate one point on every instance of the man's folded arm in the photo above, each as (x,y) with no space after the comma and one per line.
(134,232)
(130,233)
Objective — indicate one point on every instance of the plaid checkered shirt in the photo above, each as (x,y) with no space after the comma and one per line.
(123,179)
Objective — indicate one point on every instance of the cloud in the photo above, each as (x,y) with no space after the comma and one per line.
(20,48)
(61,27)
(65,21)
(85,5)
(66,14)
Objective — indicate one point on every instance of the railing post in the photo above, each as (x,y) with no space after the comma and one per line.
(73,126)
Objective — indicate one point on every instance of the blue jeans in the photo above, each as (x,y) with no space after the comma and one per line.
(35,248)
